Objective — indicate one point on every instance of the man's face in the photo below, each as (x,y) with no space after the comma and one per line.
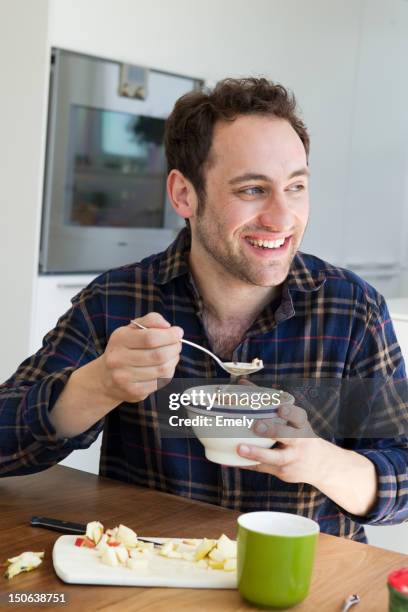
(257,200)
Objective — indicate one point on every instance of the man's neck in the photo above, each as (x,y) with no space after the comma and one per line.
(226,298)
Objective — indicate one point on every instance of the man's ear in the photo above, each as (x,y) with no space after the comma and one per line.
(182,194)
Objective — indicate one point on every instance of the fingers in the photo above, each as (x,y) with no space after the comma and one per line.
(278,457)
(143,373)
(159,332)
(246,381)
(143,357)
(279,430)
(292,423)
(152,338)
(293,415)
(153,319)
(276,429)
(135,384)
(135,359)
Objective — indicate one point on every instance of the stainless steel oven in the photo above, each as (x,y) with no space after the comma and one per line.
(105,201)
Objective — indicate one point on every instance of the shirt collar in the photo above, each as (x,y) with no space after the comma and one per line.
(173,262)
(303,278)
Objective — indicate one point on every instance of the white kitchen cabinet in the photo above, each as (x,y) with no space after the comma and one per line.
(374,212)
(52,299)
(385,277)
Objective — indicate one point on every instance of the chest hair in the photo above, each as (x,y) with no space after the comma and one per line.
(225,337)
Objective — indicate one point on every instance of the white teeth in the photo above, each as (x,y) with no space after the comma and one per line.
(269,244)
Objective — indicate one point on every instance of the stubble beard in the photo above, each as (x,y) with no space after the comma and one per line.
(236,264)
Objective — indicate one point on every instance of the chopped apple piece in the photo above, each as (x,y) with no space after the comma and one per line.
(183,547)
(204,548)
(166,548)
(126,536)
(108,557)
(102,542)
(216,564)
(174,554)
(144,546)
(170,549)
(216,555)
(25,562)
(113,542)
(122,554)
(94,531)
(230,565)
(227,547)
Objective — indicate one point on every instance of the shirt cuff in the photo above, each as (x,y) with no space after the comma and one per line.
(39,402)
(382,511)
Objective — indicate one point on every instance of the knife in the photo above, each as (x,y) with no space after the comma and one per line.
(67,527)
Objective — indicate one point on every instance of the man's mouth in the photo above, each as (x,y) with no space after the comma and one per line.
(280,244)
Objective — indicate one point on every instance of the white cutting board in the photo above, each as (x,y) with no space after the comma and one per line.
(80,565)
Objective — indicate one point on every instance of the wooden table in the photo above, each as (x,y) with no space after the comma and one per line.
(342,567)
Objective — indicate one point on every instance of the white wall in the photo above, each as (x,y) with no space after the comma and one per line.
(24,83)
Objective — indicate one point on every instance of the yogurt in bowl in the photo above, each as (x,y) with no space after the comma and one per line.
(226,415)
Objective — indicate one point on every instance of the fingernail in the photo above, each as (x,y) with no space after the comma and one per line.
(244,449)
(261,428)
(180,332)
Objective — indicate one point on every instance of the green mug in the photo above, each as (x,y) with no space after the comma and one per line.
(276,552)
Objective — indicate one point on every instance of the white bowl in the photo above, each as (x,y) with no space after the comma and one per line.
(220,437)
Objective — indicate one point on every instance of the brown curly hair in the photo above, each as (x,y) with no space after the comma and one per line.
(189,128)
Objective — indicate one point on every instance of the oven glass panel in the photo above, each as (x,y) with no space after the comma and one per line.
(116,169)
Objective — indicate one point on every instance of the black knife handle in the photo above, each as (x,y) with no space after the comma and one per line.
(57,525)
(68,527)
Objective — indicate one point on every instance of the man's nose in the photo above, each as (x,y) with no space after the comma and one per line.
(277,214)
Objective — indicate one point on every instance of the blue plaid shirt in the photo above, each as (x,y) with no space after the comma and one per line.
(328,322)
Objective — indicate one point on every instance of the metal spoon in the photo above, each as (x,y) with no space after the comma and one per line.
(350,601)
(235,368)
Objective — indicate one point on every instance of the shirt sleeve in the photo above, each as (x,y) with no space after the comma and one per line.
(28,441)
(379,356)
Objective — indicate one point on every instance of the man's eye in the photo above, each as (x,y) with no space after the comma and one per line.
(297,187)
(252,191)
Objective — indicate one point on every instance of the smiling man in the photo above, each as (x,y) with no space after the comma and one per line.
(249,225)
(235,281)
